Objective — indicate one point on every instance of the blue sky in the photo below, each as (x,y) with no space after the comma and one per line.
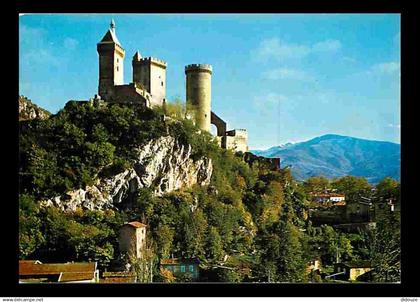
(283,77)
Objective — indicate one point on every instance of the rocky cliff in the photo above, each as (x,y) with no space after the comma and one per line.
(29,111)
(162,164)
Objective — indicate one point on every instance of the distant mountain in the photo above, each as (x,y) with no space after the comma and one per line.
(336,156)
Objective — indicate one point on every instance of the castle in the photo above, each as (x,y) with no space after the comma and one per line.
(148,88)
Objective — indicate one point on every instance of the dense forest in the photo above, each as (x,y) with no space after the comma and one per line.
(251,219)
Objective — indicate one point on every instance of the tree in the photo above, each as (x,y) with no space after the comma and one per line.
(214,244)
(316,184)
(164,238)
(352,186)
(386,249)
(387,188)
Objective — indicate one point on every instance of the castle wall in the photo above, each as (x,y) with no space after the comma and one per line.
(130,94)
(141,74)
(158,83)
(237,140)
(198,92)
(219,123)
(151,74)
(132,240)
(111,67)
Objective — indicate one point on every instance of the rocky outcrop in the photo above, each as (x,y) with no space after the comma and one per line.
(30,111)
(162,164)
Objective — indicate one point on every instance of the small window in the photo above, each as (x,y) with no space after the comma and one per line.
(117,60)
(117,68)
(182,268)
(162,83)
(191,268)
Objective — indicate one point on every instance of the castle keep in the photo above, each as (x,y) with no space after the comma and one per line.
(148,88)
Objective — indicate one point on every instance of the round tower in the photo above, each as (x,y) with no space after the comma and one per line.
(199,94)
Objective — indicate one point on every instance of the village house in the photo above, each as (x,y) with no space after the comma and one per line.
(34,271)
(332,198)
(353,271)
(181,267)
(132,239)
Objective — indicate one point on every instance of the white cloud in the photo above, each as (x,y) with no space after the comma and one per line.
(388,68)
(70,43)
(276,49)
(327,46)
(269,99)
(287,73)
(40,56)
(34,48)
(349,59)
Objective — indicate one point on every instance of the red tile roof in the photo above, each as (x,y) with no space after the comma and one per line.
(72,276)
(136,224)
(32,268)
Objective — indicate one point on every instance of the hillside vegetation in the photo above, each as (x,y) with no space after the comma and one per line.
(249,218)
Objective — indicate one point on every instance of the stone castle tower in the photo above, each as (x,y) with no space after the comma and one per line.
(198,93)
(151,74)
(148,88)
(111,62)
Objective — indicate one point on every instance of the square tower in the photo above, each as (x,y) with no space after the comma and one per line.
(111,62)
(150,73)
(132,238)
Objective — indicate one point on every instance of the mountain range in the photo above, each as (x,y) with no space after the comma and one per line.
(334,155)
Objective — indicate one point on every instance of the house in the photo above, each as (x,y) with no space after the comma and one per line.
(353,270)
(118,277)
(182,267)
(333,198)
(34,271)
(132,238)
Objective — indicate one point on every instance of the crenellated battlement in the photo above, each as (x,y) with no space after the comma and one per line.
(150,60)
(198,67)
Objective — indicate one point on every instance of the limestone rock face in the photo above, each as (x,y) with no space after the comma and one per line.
(30,111)
(163,164)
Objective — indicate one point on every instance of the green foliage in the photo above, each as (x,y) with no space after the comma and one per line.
(68,150)
(316,184)
(214,245)
(247,211)
(352,187)
(386,249)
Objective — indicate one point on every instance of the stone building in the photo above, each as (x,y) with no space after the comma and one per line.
(148,88)
(198,96)
(354,270)
(132,238)
(146,78)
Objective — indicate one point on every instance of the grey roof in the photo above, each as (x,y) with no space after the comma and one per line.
(110,36)
(137,56)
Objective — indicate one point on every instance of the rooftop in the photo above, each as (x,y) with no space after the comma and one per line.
(136,224)
(64,272)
